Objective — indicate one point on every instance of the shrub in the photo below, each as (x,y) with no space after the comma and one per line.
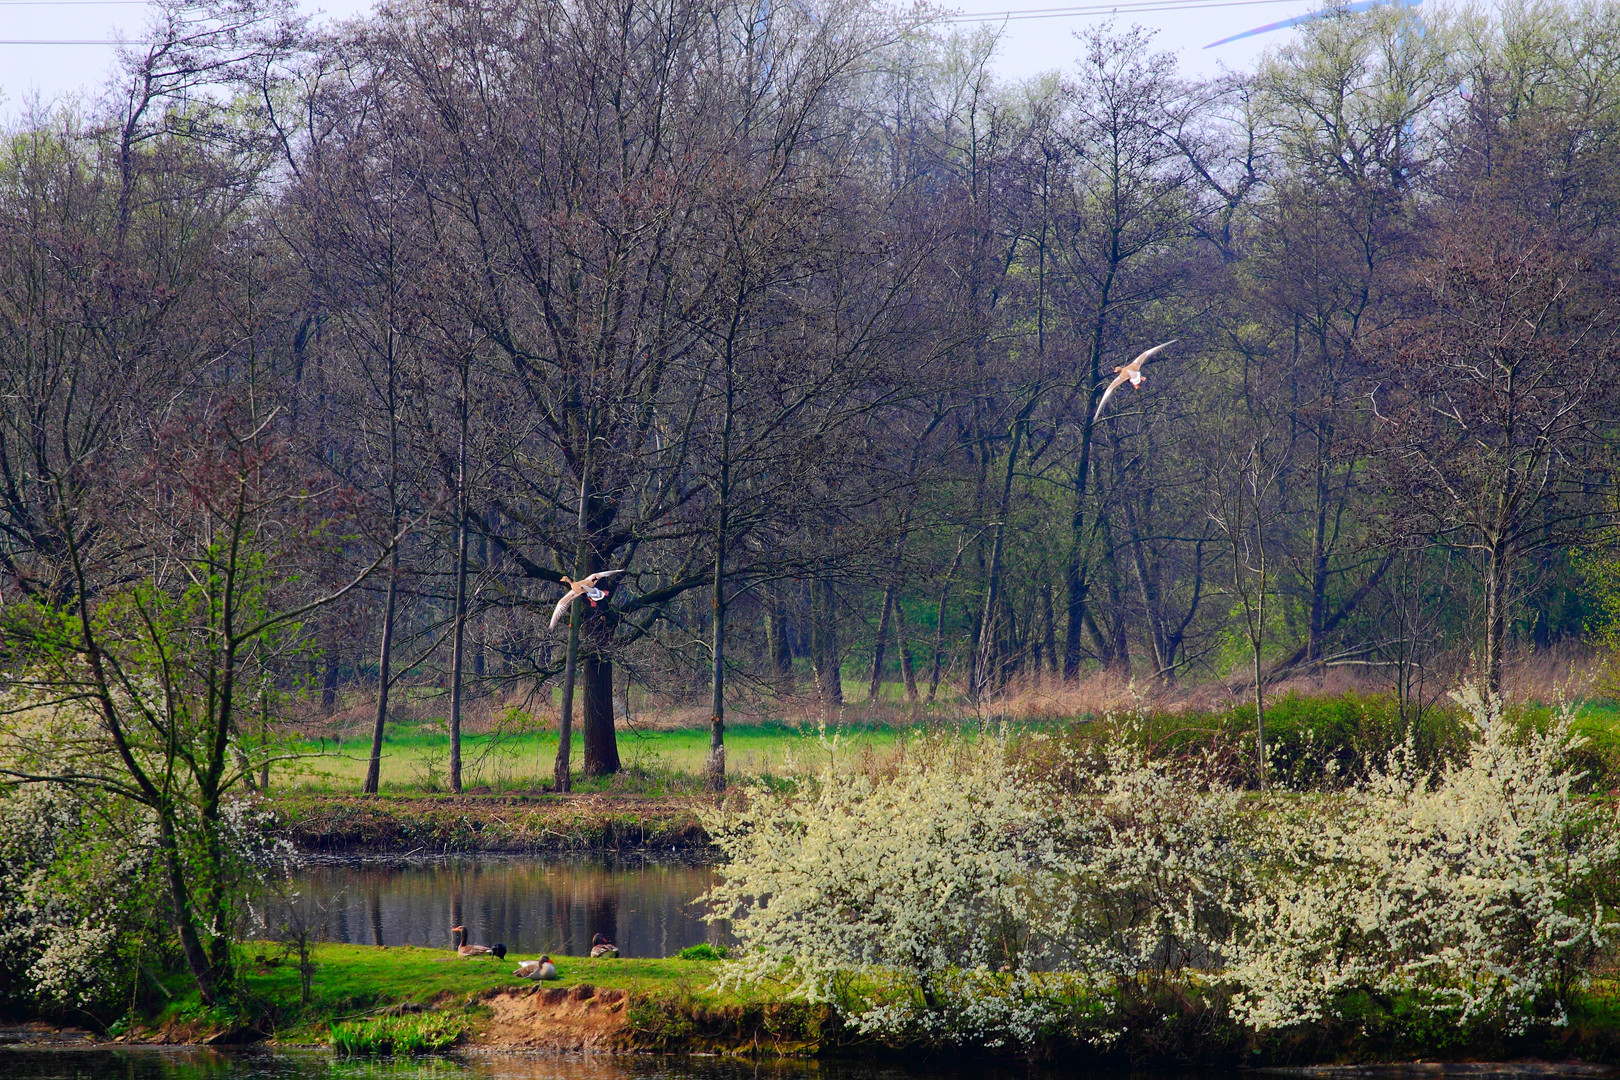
(971,894)
(1455,893)
(704,951)
(965,898)
(76,901)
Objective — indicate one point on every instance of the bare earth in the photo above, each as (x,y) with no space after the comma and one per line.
(552,1018)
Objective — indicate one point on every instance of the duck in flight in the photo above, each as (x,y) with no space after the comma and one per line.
(586,587)
(1130,373)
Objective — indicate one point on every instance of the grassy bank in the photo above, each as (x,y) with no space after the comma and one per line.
(366,1000)
(494,824)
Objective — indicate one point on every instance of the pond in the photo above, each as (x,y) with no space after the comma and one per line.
(196,1064)
(530,905)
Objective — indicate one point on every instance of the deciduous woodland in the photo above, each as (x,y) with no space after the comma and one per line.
(329,357)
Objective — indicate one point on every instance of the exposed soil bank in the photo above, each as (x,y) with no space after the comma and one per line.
(494,824)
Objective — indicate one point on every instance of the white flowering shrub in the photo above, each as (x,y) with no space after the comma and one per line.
(1149,858)
(1456,892)
(968,898)
(987,892)
(75,910)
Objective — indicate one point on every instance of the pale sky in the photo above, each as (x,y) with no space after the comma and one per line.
(1029,46)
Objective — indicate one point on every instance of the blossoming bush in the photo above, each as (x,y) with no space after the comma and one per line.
(982,891)
(83,922)
(965,898)
(75,901)
(1458,892)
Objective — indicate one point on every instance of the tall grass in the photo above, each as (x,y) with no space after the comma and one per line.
(425,1033)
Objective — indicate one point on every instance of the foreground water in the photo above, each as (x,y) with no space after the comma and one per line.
(530,905)
(153,1064)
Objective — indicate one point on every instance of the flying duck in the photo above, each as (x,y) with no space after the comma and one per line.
(1130,373)
(586,587)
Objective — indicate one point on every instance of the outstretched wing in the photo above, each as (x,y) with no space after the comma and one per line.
(601,574)
(1137,363)
(562,606)
(1119,380)
(1131,371)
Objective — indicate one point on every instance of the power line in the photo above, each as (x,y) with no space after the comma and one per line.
(1149,6)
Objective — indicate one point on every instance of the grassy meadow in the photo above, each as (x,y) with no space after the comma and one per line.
(664,753)
(656,762)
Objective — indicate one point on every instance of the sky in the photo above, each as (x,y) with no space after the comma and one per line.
(41,51)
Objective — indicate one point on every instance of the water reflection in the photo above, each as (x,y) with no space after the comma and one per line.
(195,1064)
(529,905)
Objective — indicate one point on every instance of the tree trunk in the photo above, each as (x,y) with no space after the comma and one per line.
(1119,641)
(984,677)
(1495,615)
(457,655)
(907,671)
(716,765)
(601,741)
(1075,579)
(561,775)
(824,643)
(329,687)
(876,684)
(776,637)
(384,666)
(939,625)
(1050,625)
(458,648)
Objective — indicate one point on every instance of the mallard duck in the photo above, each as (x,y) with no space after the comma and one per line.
(459,935)
(602,947)
(586,587)
(540,970)
(1130,373)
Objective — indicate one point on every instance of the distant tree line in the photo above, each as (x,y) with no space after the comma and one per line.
(326,355)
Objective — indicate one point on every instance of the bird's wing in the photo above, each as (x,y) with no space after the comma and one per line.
(1137,363)
(601,574)
(1108,393)
(562,606)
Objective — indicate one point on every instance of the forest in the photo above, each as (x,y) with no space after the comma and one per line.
(326,355)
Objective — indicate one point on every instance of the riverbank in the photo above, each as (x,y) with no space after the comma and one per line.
(367,997)
(487,824)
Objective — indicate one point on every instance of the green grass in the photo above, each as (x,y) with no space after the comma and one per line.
(1304,734)
(353,984)
(420,1034)
(669,762)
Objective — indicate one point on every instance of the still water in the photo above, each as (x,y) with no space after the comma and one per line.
(529,905)
(152,1064)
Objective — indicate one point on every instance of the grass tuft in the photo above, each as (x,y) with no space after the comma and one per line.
(704,951)
(425,1033)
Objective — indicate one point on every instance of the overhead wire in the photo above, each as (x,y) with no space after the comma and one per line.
(1129,8)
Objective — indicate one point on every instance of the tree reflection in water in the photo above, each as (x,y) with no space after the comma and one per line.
(531,905)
